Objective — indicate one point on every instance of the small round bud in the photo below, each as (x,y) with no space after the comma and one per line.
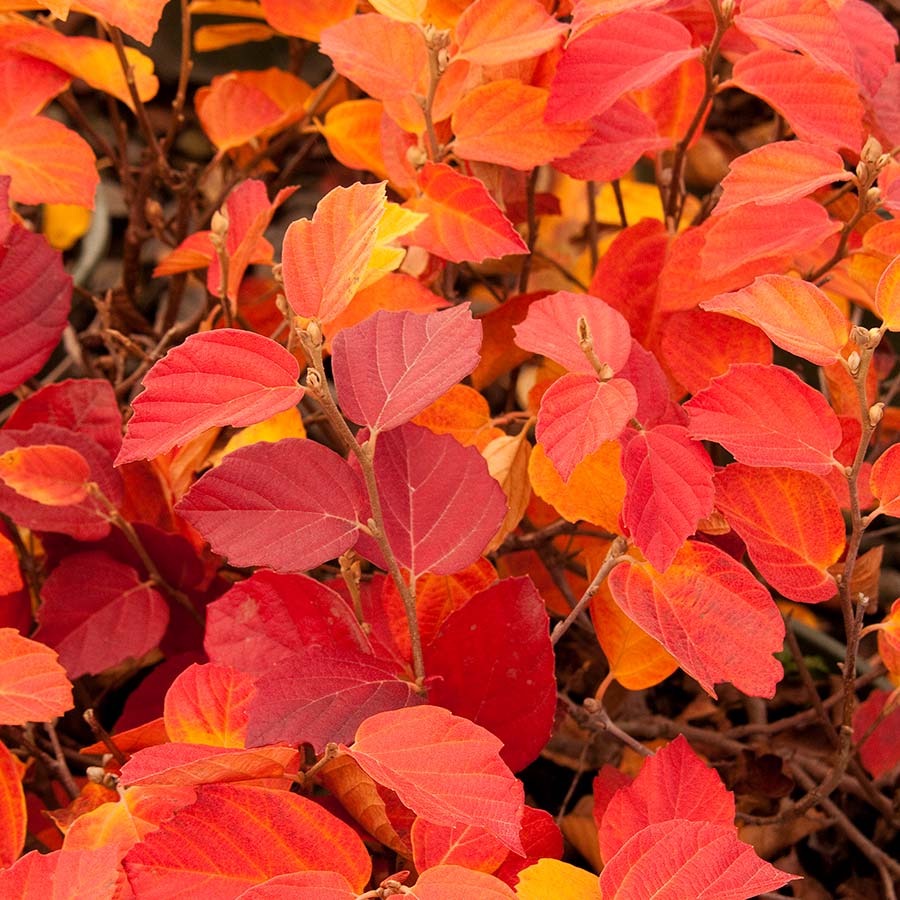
(219,224)
(871,150)
(876,412)
(416,156)
(314,330)
(853,363)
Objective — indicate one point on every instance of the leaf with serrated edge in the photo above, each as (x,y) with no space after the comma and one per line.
(33,685)
(791,524)
(492,32)
(255,511)
(224,377)
(391,366)
(710,613)
(444,768)
(885,481)
(767,416)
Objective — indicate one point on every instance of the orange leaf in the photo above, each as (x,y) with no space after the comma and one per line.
(594,492)
(138,812)
(242,106)
(48,162)
(698,346)
(885,482)
(386,58)
(138,18)
(51,474)
(464,223)
(353,132)
(449,882)
(33,685)
(822,106)
(462,412)
(507,458)
(12,809)
(710,613)
(197,764)
(889,640)
(499,353)
(636,660)
(216,37)
(444,768)
(461,845)
(773,510)
(306,18)
(795,314)
(502,122)
(402,10)
(208,704)
(673,101)
(10,575)
(780,172)
(27,85)
(887,296)
(360,797)
(194,852)
(91,59)
(436,597)
(493,32)
(324,260)
(561,880)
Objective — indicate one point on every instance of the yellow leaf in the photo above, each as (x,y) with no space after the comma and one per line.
(282,425)
(63,224)
(559,880)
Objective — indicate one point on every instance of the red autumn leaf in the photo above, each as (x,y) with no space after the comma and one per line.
(499,352)
(96,612)
(626,276)
(551,329)
(223,377)
(327,886)
(502,122)
(460,845)
(270,618)
(78,873)
(194,853)
(35,296)
(494,665)
(386,58)
(86,405)
(183,764)
(10,576)
(579,413)
(255,511)
(710,613)
(672,784)
(426,482)
(391,366)
(779,173)
(86,520)
(887,296)
(444,768)
(33,685)
(823,107)
(541,839)
(812,27)
(12,809)
(48,163)
(324,697)
(239,107)
(464,223)
(619,137)
(306,18)
(207,704)
(885,482)
(752,232)
(767,416)
(881,751)
(698,346)
(324,259)
(52,474)
(605,62)
(449,882)
(795,314)
(873,40)
(791,524)
(27,85)
(669,490)
(680,858)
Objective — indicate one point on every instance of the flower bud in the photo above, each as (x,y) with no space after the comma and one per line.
(853,363)
(876,412)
